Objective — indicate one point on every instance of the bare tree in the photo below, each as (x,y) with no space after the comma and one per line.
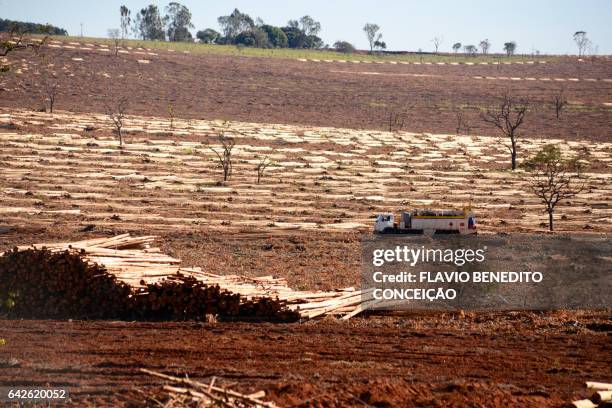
(116,111)
(50,87)
(225,156)
(462,122)
(484,46)
(508,117)
(113,34)
(582,41)
(396,121)
(374,37)
(559,102)
(171,115)
(553,178)
(261,167)
(437,41)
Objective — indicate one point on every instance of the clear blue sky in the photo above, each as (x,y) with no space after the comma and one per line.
(545,25)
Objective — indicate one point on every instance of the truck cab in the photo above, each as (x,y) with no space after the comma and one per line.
(384,223)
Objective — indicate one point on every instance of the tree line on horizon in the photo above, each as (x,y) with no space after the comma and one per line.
(31,28)
(237,28)
(241,30)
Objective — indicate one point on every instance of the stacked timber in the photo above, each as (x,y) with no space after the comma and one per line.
(135,262)
(601,397)
(130,259)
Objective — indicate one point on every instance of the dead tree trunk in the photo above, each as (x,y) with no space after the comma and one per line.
(507,118)
(225,157)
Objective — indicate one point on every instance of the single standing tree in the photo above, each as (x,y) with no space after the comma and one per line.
(126,21)
(178,18)
(171,115)
(559,102)
(372,32)
(225,156)
(116,110)
(582,41)
(508,118)
(553,179)
(456,47)
(50,87)
(309,26)
(261,167)
(484,46)
(113,34)
(437,41)
(344,46)
(470,49)
(510,47)
(149,24)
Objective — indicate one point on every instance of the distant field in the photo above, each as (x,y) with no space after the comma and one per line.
(304,53)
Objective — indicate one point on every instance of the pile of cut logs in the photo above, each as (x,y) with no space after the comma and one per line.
(601,397)
(134,261)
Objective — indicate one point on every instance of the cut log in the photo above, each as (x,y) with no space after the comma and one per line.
(601,396)
(585,403)
(598,386)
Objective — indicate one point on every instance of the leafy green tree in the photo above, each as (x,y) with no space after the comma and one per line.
(255,37)
(510,47)
(178,18)
(553,179)
(235,24)
(373,34)
(381,45)
(126,20)
(456,47)
(208,36)
(470,49)
(344,46)
(276,36)
(295,37)
(309,26)
(149,24)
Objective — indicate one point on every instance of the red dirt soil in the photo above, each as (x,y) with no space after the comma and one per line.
(512,359)
(288,91)
(483,360)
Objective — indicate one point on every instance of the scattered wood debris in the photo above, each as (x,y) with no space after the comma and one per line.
(188,392)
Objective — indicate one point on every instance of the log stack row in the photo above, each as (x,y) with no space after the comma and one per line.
(135,262)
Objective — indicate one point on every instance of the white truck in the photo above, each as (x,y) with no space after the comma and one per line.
(428,222)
